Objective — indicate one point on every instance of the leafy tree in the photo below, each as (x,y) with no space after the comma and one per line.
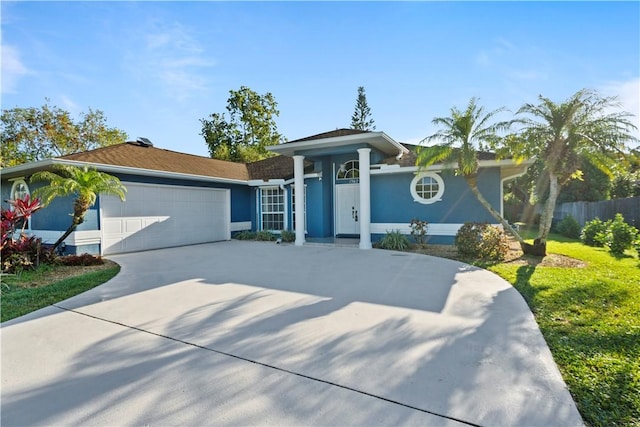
(460,136)
(361,118)
(562,134)
(592,184)
(251,127)
(37,133)
(82,182)
(625,184)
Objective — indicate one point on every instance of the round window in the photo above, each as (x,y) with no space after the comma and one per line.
(19,189)
(427,188)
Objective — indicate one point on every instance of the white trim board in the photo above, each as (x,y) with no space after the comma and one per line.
(440,229)
(76,238)
(240,226)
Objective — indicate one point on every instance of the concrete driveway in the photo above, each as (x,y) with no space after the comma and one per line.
(240,333)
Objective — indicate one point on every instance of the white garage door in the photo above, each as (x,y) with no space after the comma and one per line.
(162,216)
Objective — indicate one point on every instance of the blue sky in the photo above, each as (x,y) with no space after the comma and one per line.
(157,68)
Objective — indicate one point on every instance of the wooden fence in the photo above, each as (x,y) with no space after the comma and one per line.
(606,209)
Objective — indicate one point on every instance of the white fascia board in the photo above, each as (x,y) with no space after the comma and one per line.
(504,162)
(122,169)
(280,181)
(290,148)
(391,169)
(26,168)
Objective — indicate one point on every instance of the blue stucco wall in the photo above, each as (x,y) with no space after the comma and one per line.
(57,216)
(391,200)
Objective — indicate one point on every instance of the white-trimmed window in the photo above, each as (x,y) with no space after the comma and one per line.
(19,189)
(427,188)
(272,204)
(349,170)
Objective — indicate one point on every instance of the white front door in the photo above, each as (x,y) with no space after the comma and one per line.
(347,208)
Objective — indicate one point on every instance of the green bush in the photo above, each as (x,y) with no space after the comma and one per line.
(288,236)
(594,233)
(245,235)
(569,227)
(265,236)
(481,240)
(615,234)
(394,240)
(621,235)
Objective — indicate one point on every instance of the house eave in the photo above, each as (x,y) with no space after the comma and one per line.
(505,164)
(379,140)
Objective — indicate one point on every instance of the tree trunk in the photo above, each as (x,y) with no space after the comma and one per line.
(472,183)
(64,236)
(80,208)
(546,219)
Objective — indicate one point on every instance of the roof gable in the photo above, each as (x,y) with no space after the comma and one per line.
(331,134)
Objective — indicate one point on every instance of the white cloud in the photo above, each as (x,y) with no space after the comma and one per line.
(12,69)
(69,105)
(628,94)
(172,57)
(515,63)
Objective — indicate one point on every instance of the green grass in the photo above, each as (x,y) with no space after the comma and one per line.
(590,318)
(16,300)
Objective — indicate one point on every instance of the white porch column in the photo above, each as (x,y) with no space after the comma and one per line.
(298,185)
(365,197)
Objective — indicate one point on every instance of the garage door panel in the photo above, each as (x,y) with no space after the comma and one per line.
(157,216)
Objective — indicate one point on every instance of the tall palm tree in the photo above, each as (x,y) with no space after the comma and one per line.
(460,137)
(82,182)
(584,126)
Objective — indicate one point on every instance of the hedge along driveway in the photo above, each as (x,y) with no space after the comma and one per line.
(259,333)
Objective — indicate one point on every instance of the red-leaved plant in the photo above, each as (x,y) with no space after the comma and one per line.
(22,251)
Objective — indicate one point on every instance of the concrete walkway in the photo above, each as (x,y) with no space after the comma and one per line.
(240,333)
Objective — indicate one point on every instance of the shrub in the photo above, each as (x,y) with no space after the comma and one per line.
(288,236)
(569,227)
(394,240)
(594,233)
(265,236)
(621,235)
(419,230)
(480,240)
(77,260)
(245,235)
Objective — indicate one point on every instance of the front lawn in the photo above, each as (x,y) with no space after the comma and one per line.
(590,318)
(33,290)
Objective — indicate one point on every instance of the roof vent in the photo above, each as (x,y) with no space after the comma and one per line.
(144,142)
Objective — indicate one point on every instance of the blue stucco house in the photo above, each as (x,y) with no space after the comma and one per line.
(345,182)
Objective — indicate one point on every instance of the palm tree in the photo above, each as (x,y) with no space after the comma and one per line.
(459,138)
(562,134)
(84,183)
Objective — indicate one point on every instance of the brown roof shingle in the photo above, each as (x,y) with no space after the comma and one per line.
(278,167)
(331,134)
(145,157)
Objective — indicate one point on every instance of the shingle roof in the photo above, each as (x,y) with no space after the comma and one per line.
(331,134)
(145,157)
(278,167)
